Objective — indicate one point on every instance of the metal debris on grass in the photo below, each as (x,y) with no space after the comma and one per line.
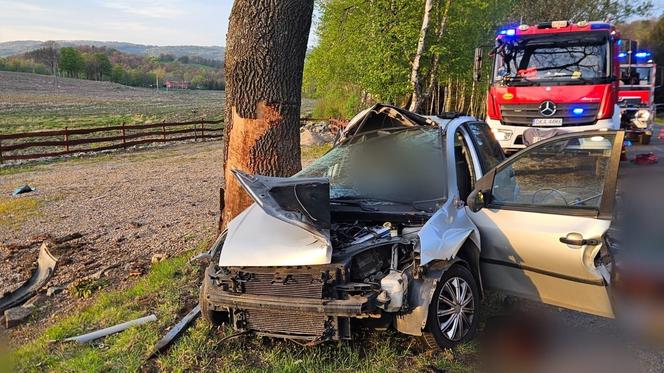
(175,332)
(45,268)
(85,338)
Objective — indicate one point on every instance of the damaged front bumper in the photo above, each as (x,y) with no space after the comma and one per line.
(354,307)
(301,311)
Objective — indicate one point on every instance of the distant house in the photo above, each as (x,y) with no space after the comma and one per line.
(177,84)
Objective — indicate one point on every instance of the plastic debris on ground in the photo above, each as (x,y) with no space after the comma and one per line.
(46,263)
(644,159)
(24,189)
(85,338)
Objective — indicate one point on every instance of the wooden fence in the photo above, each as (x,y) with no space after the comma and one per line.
(55,143)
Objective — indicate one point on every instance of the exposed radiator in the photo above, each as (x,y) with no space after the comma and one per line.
(287,323)
(298,285)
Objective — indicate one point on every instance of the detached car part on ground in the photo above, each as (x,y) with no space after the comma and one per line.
(376,232)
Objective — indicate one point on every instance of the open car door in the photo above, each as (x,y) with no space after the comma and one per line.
(543,215)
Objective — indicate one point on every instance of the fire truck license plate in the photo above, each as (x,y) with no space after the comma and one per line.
(548,122)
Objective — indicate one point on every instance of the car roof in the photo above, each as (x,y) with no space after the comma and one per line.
(450,121)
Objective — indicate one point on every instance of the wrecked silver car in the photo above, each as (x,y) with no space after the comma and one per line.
(377,232)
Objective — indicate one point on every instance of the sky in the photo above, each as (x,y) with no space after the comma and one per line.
(154,22)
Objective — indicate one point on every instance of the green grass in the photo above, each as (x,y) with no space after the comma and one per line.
(16,210)
(132,155)
(33,117)
(168,290)
(314,151)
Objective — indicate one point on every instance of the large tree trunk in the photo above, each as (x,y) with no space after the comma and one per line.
(416,84)
(265,48)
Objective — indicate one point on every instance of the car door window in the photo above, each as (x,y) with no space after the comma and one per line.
(568,173)
(488,149)
(465,169)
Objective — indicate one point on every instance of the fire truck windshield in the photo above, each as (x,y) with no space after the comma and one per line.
(633,75)
(553,59)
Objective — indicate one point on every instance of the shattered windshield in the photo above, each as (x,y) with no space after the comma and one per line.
(401,165)
(566,58)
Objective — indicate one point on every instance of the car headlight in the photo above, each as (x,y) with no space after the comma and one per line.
(643,115)
(501,135)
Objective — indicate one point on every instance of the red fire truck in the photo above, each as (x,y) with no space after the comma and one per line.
(553,76)
(636,96)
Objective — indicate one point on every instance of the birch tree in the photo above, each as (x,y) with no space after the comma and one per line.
(415,83)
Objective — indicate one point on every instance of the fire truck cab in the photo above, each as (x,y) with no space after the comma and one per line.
(555,77)
(636,96)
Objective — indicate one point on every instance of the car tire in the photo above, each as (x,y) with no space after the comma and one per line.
(456,298)
(215,318)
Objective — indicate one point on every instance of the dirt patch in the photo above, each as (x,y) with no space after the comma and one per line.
(126,209)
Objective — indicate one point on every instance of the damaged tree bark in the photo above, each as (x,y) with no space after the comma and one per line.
(415,79)
(265,48)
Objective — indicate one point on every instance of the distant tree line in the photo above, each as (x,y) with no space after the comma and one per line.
(418,54)
(194,60)
(106,64)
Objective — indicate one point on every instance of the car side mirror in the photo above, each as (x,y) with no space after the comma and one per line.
(476,200)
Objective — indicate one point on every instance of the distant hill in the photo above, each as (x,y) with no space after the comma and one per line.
(11,48)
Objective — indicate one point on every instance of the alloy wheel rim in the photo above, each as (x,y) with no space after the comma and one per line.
(456,308)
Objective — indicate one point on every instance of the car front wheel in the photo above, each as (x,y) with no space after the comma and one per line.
(453,312)
(215,318)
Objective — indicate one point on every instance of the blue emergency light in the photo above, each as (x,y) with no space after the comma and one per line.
(508,32)
(599,26)
(577,111)
(643,54)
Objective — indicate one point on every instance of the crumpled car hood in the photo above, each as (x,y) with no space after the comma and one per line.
(288,225)
(257,239)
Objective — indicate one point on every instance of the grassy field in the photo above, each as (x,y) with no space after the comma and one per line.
(31,102)
(169,290)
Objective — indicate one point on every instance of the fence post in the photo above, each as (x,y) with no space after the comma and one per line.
(66,140)
(124,136)
(163,129)
(202,129)
(1,152)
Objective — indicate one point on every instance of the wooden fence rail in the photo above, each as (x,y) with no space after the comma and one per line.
(55,143)
(60,142)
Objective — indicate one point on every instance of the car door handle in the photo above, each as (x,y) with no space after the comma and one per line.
(579,242)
